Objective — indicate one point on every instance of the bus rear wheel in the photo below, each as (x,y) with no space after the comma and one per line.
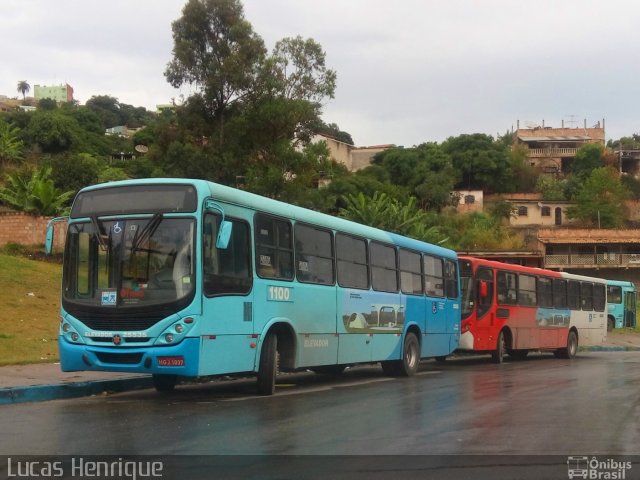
(410,356)
(572,347)
(410,359)
(164,383)
(268,365)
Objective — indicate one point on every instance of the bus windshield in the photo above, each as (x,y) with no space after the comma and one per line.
(129,263)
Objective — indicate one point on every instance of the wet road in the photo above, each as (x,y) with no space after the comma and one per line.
(540,405)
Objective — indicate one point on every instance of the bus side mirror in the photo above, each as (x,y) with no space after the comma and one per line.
(484,289)
(48,241)
(224,235)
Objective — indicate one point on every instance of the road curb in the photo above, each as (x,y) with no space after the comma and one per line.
(39,393)
(600,348)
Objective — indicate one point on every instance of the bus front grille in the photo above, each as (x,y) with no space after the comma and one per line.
(119,358)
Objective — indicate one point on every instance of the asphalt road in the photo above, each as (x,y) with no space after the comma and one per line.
(467,406)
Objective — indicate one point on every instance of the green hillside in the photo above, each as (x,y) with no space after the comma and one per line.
(29,295)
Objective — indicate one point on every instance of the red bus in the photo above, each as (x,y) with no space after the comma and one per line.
(514,309)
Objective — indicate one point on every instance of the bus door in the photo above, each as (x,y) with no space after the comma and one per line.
(630,309)
(485,313)
(228,313)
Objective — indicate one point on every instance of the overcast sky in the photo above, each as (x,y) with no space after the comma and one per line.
(409,71)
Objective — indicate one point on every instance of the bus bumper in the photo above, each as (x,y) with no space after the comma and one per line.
(180,359)
(466,341)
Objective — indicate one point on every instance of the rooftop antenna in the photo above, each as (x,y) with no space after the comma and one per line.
(572,122)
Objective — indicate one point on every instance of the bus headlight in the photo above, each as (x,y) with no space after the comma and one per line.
(176,332)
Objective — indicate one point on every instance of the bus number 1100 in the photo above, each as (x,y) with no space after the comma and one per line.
(279,294)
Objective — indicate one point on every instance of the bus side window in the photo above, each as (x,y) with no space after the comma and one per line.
(384,267)
(352,264)
(274,248)
(507,288)
(314,255)
(433,276)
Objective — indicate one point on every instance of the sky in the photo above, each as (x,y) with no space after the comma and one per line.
(408,71)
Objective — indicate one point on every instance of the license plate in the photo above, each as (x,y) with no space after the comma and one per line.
(171,361)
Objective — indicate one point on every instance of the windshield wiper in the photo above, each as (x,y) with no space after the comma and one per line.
(96,227)
(146,233)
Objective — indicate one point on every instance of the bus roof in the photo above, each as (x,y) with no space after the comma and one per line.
(530,270)
(275,207)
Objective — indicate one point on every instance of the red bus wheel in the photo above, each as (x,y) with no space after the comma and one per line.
(498,354)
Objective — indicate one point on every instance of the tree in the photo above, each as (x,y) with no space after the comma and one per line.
(587,159)
(551,188)
(296,71)
(426,170)
(10,144)
(217,52)
(481,162)
(24,88)
(54,132)
(601,200)
(333,130)
(386,213)
(73,172)
(35,193)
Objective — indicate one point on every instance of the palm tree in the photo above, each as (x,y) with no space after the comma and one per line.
(23,88)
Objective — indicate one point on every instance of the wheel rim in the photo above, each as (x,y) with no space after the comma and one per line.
(572,344)
(501,346)
(411,356)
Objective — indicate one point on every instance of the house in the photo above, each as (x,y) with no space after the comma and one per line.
(59,93)
(553,149)
(352,157)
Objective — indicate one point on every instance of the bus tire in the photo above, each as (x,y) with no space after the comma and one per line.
(164,383)
(410,356)
(498,354)
(572,346)
(266,381)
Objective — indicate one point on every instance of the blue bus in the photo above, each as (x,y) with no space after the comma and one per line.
(621,304)
(187,278)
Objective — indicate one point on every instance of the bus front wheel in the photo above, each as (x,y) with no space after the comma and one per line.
(164,383)
(498,354)
(267,367)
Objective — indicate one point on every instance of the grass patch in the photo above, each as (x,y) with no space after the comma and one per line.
(30,299)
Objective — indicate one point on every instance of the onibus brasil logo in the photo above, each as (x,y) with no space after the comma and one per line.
(596,469)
